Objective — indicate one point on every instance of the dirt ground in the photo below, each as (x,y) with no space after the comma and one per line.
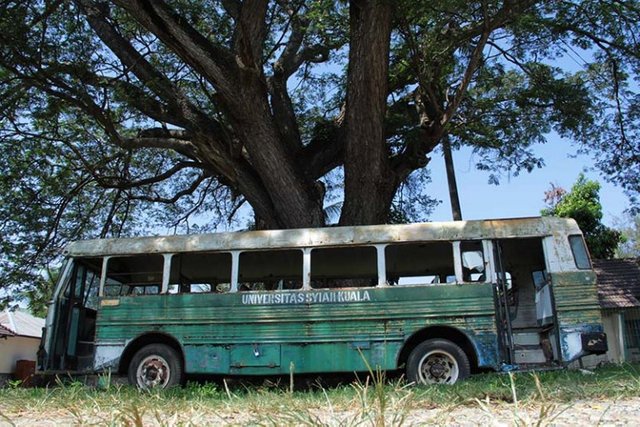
(578,413)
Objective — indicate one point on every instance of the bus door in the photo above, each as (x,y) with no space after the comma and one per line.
(524,302)
(70,346)
(503,306)
(544,307)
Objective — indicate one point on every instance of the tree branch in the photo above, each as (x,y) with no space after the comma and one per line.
(250,33)
(232,7)
(413,156)
(166,133)
(471,69)
(212,61)
(180,194)
(281,103)
(176,144)
(97,15)
(325,151)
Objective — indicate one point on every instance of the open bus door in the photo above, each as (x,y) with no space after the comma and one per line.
(503,316)
(527,325)
(544,307)
(70,327)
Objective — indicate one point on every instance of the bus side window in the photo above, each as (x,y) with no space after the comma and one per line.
(473,263)
(143,290)
(134,275)
(540,279)
(91,289)
(344,267)
(199,288)
(200,272)
(270,270)
(424,263)
(579,250)
(112,288)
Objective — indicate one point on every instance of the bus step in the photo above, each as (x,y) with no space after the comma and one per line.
(539,367)
(85,363)
(85,348)
(530,355)
(526,338)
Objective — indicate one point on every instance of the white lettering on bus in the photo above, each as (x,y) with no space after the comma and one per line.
(305,297)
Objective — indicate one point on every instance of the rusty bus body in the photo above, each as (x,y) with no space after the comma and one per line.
(439,299)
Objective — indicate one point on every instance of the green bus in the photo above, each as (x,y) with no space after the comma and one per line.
(440,300)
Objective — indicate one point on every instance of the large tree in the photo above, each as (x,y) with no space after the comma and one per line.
(582,203)
(118,116)
(629,226)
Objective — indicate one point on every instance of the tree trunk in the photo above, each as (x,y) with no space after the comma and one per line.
(296,201)
(370,183)
(456,212)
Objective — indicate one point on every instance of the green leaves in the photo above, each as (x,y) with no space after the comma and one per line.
(582,203)
(91,146)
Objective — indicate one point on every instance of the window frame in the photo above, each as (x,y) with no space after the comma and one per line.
(583,247)
(436,277)
(379,263)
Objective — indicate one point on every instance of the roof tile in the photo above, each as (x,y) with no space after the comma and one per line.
(5,332)
(618,282)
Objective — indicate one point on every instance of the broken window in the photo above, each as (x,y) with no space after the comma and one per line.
(473,264)
(419,263)
(85,282)
(200,272)
(134,275)
(344,267)
(270,270)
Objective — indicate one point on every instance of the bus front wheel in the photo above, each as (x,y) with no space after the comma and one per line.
(155,366)
(437,361)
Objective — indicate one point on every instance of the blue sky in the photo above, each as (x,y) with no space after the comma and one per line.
(521,195)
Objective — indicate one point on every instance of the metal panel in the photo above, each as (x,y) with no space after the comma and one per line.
(72,333)
(254,355)
(334,236)
(317,330)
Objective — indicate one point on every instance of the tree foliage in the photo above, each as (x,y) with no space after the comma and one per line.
(629,227)
(121,117)
(582,203)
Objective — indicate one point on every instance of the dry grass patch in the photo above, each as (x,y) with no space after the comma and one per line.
(523,399)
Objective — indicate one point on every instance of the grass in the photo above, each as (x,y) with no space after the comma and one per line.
(530,398)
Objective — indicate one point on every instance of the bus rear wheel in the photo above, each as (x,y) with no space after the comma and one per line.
(437,361)
(155,366)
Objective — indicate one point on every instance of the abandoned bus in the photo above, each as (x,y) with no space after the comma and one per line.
(439,300)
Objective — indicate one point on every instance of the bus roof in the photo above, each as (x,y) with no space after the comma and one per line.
(328,236)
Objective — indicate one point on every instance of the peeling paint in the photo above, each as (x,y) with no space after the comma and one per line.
(107,357)
(571,342)
(334,236)
(347,329)
(486,346)
(220,334)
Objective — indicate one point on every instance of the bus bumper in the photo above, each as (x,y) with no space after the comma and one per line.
(594,342)
(576,342)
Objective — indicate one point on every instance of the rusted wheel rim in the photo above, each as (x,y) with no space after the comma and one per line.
(153,371)
(438,367)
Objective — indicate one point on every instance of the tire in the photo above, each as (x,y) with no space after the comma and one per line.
(437,361)
(155,366)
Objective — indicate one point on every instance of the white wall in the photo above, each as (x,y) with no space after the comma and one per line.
(610,323)
(13,349)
